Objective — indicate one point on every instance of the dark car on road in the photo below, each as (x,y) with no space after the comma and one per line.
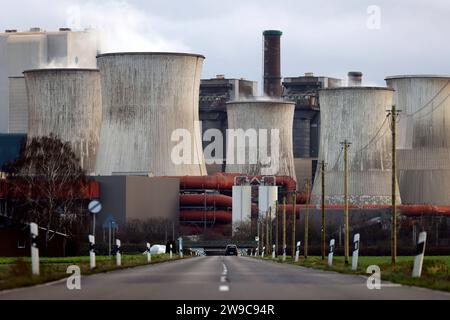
(231,250)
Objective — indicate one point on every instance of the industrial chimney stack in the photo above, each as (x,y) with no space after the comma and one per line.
(272,63)
(355,79)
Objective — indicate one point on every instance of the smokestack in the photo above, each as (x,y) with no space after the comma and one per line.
(272,63)
(355,79)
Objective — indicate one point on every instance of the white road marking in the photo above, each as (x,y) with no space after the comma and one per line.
(223,279)
(224,288)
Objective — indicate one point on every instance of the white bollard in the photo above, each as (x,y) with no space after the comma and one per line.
(284,252)
(274,254)
(330,255)
(180,242)
(420,254)
(355,252)
(171,255)
(92,252)
(149,253)
(118,253)
(297,252)
(34,231)
(263,251)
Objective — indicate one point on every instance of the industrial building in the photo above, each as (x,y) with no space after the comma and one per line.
(130,121)
(214,94)
(304,92)
(125,199)
(34,49)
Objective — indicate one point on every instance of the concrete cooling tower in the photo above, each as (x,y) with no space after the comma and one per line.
(423,138)
(356,114)
(246,119)
(146,98)
(67,103)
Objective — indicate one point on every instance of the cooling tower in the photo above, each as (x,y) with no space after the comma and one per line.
(356,114)
(67,103)
(259,140)
(423,138)
(148,97)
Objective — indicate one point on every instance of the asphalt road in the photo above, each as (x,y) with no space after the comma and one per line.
(221,278)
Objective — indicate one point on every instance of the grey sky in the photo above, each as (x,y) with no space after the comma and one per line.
(324,37)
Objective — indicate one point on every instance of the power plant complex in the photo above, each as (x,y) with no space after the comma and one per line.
(141,120)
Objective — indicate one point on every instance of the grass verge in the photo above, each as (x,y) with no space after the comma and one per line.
(16,272)
(435,272)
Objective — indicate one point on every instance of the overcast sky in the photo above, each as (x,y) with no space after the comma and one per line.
(325,37)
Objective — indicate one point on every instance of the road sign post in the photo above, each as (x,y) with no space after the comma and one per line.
(149,253)
(297,252)
(274,252)
(171,248)
(331,253)
(257,245)
(92,263)
(94,208)
(356,240)
(118,253)
(180,242)
(420,254)
(34,231)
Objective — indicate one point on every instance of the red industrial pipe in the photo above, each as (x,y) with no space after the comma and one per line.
(225,181)
(224,229)
(406,210)
(90,190)
(220,216)
(218,200)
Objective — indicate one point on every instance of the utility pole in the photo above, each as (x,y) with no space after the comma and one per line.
(323,165)
(263,243)
(267,234)
(277,228)
(294,221)
(270,224)
(258,234)
(284,226)
(307,219)
(394,113)
(346,144)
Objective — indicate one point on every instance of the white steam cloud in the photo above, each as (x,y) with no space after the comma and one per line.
(122,27)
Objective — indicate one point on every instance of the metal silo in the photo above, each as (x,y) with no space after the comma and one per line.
(146,98)
(356,114)
(423,137)
(67,103)
(266,128)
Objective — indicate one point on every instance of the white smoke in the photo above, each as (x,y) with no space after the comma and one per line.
(122,27)
(54,64)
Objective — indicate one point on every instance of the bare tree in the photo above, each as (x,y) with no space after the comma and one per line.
(47,184)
